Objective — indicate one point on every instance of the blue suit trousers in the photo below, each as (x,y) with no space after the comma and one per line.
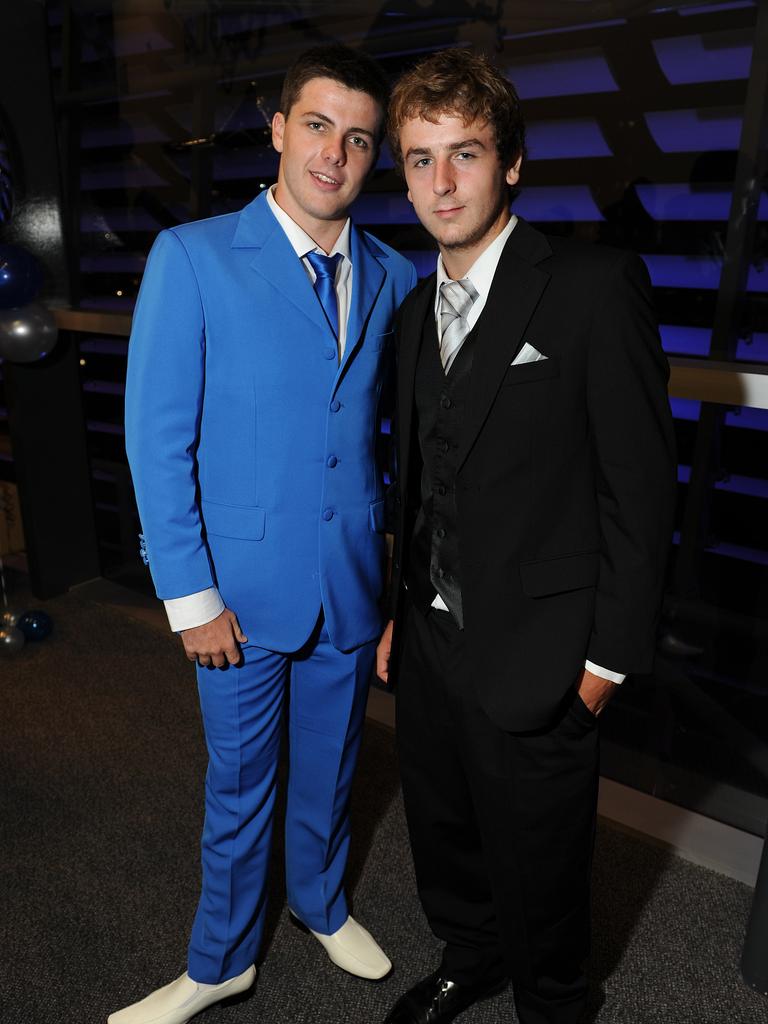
(242,709)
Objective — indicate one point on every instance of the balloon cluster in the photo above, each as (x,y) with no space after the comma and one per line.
(28,329)
(18,628)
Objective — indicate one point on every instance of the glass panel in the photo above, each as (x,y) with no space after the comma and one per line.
(695,732)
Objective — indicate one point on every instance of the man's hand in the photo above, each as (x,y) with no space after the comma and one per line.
(595,691)
(383,651)
(215,642)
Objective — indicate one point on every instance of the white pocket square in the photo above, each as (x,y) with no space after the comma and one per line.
(527,354)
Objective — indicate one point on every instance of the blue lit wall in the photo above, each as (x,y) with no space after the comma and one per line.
(633,130)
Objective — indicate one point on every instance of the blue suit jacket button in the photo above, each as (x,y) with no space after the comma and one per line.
(328,515)
(335,405)
(330,353)
(332,461)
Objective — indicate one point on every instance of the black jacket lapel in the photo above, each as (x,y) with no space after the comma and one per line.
(518,285)
(418,305)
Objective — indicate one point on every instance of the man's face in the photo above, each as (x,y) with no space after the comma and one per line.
(328,146)
(455,181)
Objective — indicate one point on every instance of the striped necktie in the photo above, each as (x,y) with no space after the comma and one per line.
(325,285)
(456,298)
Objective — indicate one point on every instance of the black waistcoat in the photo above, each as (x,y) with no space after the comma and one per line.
(440,401)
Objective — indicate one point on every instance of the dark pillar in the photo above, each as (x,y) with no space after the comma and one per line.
(44,399)
(51,463)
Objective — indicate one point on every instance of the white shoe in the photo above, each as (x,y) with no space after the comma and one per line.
(353,949)
(181,1000)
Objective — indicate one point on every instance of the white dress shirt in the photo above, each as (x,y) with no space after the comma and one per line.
(481,274)
(303,244)
(197,609)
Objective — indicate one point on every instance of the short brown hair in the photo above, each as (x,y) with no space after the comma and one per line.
(352,68)
(463,84)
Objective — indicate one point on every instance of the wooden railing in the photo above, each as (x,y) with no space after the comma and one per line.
(701,379)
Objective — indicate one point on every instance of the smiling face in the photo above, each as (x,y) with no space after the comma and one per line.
(328,147)
(457,185)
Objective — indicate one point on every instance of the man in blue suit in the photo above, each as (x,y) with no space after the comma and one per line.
(255,370)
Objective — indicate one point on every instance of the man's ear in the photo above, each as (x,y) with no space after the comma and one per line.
(278,129)
(513,174)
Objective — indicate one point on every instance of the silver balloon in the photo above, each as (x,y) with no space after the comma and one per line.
(9,617)
(11,640)
(27,334)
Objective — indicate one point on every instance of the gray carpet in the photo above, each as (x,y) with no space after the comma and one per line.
(102,759)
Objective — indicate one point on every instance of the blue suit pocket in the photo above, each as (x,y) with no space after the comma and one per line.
(376,516)
(233,521)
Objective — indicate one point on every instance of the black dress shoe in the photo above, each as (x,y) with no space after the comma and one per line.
(436,1000)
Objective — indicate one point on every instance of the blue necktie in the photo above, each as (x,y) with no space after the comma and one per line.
(325,285)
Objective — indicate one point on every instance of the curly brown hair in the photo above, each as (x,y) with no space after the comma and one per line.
(463,84)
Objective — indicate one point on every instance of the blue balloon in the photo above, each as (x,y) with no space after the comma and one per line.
(21,277)
(35,624)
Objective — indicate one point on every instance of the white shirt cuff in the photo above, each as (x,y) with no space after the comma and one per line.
(604,673)
(194,609)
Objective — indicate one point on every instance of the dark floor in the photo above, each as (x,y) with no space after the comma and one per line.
(102,759)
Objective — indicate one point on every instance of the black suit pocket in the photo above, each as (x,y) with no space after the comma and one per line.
(542,369)
(557,575)
(581,713)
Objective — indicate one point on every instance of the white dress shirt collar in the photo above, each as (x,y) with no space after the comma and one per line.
(481,274)
(302,243)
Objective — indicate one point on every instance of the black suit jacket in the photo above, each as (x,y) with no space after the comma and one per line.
(566,478)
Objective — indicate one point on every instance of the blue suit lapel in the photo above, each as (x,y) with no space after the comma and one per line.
(276,260)
(367,279)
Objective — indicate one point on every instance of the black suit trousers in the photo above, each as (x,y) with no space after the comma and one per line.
(501,826)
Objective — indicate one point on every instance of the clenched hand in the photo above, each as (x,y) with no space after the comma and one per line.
(215,642)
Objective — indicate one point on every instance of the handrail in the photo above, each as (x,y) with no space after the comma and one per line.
(707,380)
(89,321)
(703,380)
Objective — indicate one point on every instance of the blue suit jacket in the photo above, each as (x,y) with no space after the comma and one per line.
(252,450)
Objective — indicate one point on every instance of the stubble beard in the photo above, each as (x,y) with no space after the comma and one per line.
(479,233)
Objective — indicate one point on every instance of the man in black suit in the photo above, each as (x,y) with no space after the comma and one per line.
(536,488)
